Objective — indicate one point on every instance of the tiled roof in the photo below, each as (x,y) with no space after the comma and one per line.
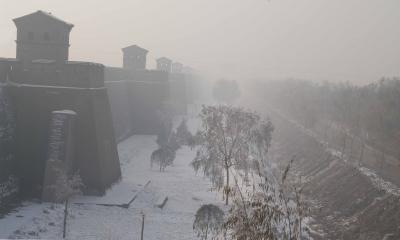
(49,15)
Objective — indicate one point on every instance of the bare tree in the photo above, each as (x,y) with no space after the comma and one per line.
(228,139)
(271,210)
(208,221)
(65,185)
(183,134)
(163,156)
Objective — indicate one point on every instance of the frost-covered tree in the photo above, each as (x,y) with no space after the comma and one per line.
(183,134)
(165,128)
(173,142)
(167,142)
(165,155)
(68,186)
(230,137)
(192,142)
(270,210)
(65,185)
(208,221)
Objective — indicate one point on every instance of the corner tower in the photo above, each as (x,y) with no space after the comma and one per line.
(134,58)
(42,36)
(177,67)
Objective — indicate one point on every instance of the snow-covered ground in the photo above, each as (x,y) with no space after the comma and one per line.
(185,190)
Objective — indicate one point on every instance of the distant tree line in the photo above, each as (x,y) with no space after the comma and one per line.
(370,112)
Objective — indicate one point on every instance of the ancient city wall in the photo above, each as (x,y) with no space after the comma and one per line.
(108,111)
(136,97)
(71,74)
(8,180)
(34,93)
(96,154)
(121,108)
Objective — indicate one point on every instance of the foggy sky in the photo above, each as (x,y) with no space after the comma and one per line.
(355,40)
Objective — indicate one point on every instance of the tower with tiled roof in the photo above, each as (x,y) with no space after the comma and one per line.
(134,58)
(42,37)
(164,64)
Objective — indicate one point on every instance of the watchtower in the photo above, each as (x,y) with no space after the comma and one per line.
(134,58)
(42,36)
(164,64)
(177,67)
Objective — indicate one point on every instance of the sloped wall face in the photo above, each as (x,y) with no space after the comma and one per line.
(116,82)
(121,109)
(107,153)
(147,99)
(8,181)
(96,155)
(136,98)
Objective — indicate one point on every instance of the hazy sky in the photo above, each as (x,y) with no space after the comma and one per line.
(356,40)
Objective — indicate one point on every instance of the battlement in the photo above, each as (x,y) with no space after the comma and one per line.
(44,72)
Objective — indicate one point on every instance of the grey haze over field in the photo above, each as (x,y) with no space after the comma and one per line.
(355,40)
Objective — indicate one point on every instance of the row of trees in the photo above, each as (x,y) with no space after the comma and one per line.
(232,148)
(370,112)
(169,141)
